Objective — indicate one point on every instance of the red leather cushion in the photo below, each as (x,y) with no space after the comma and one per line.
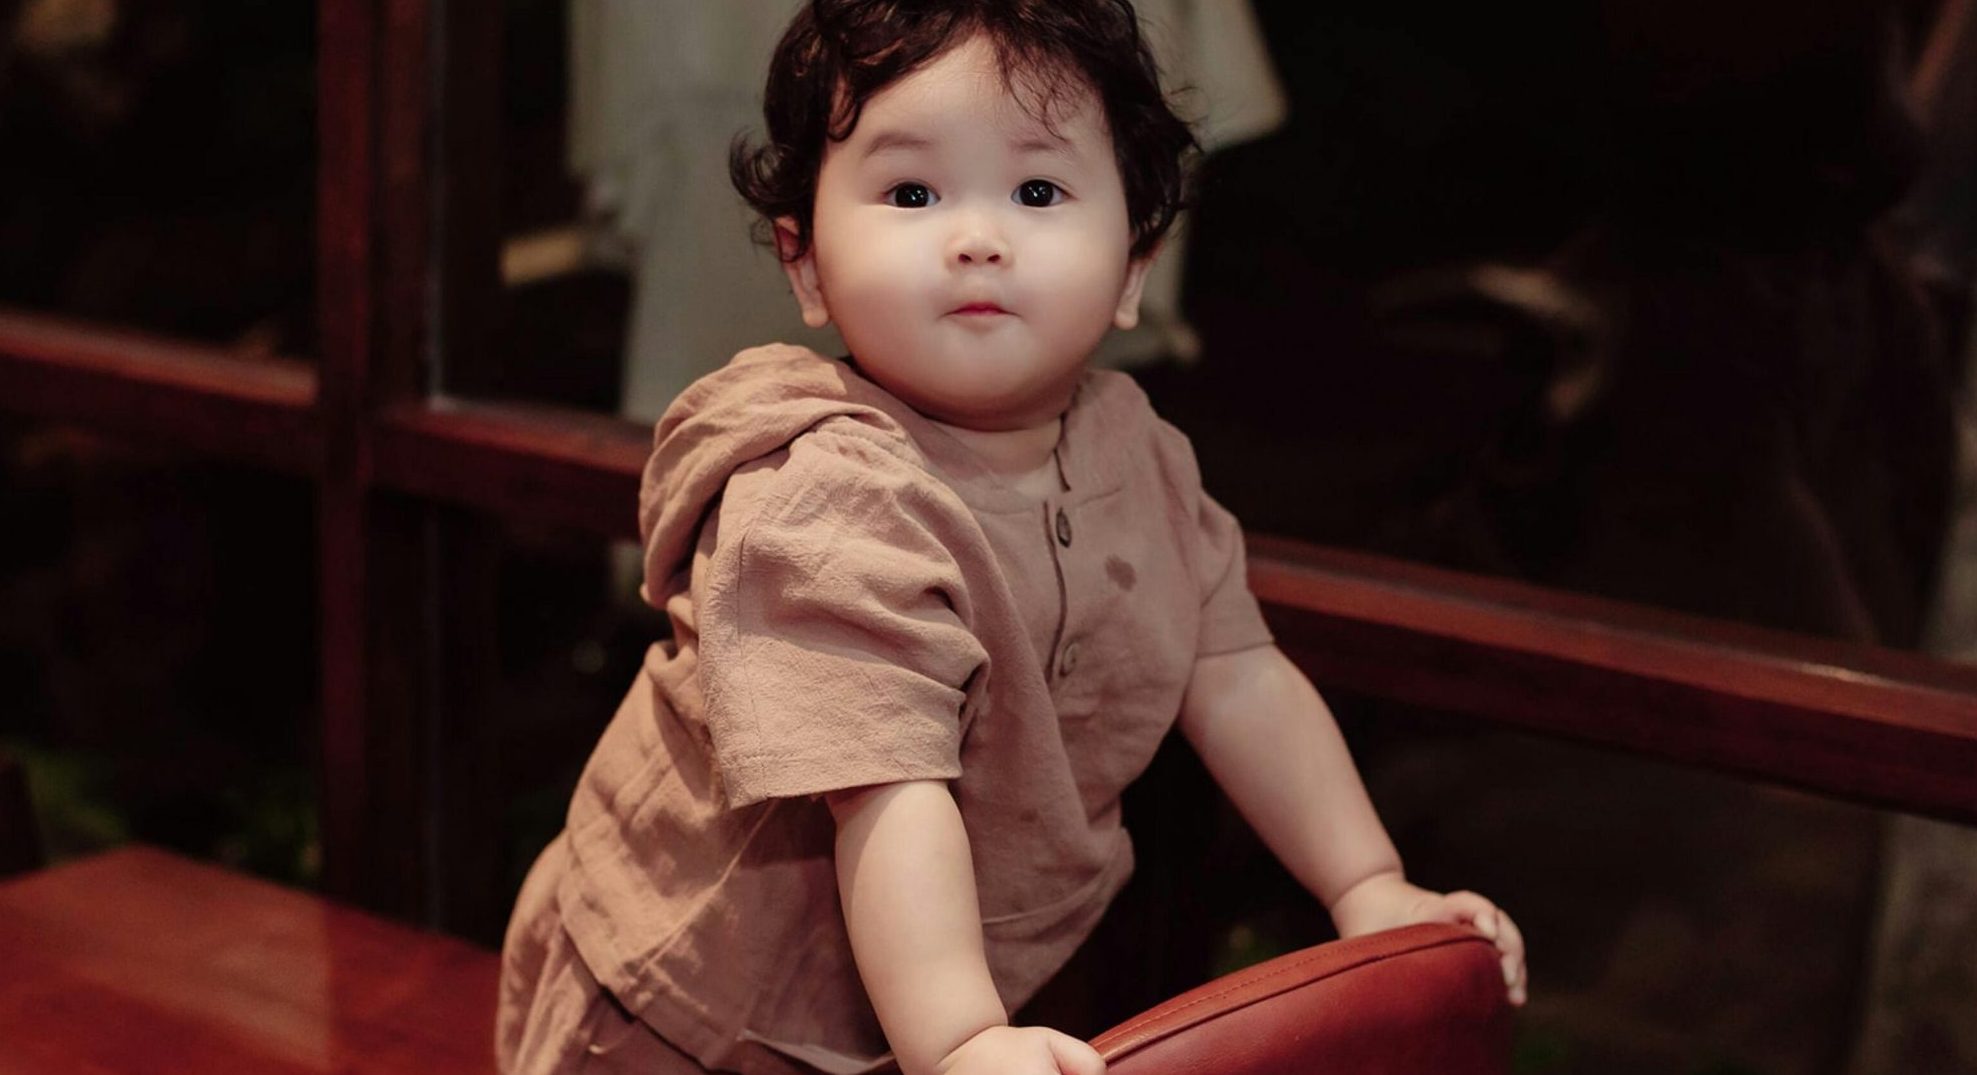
(1413,1001)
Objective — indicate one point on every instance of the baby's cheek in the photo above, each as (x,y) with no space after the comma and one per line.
(880,281)
(1088,266)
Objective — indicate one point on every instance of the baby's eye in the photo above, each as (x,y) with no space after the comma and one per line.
(1039,193)
(910,196)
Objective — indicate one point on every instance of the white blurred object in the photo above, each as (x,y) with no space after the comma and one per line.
(659,89)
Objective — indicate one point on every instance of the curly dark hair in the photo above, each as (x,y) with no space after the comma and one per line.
(836,54)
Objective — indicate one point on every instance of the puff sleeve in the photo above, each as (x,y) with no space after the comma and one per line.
(835,650)
(1230,617)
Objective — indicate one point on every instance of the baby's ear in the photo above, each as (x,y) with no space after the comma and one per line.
(1128,314)
(802,272)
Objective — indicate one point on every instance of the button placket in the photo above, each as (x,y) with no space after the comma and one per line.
(1063,654)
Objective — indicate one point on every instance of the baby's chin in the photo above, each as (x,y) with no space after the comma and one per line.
(978,400)
(1005,413)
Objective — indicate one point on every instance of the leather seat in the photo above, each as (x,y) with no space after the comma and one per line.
(1413,1001)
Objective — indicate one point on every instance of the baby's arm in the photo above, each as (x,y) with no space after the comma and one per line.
(908,889)
(1273,746)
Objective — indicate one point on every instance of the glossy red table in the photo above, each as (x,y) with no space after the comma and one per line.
(141,961)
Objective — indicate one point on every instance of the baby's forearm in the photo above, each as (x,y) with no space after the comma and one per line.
(908,890)
(1275,749)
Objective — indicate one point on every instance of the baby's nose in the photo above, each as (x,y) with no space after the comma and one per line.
(979,244)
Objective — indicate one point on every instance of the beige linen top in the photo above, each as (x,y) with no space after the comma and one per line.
(856,600)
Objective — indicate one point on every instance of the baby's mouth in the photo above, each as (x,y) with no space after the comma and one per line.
(978,309)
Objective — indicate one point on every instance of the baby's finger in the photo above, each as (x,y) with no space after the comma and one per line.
(1510,939)
(1516,968)
(1475,910)
(1075,1057)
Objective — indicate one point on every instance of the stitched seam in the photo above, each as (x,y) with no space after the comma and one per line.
(1126,1032)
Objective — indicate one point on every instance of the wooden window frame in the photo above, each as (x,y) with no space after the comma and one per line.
(399,254)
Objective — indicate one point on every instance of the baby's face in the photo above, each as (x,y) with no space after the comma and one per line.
(971,258)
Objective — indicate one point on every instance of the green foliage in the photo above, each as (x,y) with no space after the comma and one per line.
(1540,1052)
(72,804)
(87,801)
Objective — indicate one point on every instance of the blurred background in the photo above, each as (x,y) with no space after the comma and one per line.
(1668,302)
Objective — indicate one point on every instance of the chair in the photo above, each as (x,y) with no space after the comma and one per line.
(1413,1001)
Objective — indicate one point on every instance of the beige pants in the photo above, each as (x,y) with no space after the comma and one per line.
(554,1018)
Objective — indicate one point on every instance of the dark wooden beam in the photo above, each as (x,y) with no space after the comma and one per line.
(256,410)
(470,855)
(407,165)
(1856,722)
(468,175)
(373,103)
(346,94)
(543,464)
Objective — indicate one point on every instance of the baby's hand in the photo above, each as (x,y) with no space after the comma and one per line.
(1025,1050)
(1387,901)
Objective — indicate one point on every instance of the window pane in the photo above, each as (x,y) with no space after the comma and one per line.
(544,635)
(625,262)
(161,166)
(158,649)
(1659,901)
(1630,298)
(1606,297)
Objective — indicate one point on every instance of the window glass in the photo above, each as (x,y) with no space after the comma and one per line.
(626,267)
(1631,298)
(158,627)
(545,635)
(1658,901)
(161,166)
(1608,297)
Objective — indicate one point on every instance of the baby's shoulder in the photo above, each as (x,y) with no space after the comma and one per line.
(1123,425)
(845,474)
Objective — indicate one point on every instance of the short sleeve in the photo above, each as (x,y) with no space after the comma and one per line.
(833,648)
(1230,618)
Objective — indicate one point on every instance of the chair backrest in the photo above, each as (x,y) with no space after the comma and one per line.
(1414,1001)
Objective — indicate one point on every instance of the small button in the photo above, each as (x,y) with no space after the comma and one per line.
(1067,662)
(1063,528)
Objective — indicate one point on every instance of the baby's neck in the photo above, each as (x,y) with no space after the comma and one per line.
(1025,459)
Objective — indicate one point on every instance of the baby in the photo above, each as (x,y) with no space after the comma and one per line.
(934,605)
